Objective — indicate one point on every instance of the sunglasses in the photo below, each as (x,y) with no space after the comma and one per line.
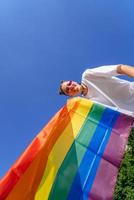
(67,86)
(69,83)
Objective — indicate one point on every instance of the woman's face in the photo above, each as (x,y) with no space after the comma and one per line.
(71,88)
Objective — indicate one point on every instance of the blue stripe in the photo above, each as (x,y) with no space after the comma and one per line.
(87,171)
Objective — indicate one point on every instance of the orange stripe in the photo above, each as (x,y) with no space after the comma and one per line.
(28,182)
(24,189)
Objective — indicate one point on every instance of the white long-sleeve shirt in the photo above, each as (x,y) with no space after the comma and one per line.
(105,88)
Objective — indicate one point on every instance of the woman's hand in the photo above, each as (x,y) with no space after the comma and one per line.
(125,70)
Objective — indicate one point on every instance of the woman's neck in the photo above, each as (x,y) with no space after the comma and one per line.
(84,89)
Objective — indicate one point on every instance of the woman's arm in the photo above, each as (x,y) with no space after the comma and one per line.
(125,70)
(101,71)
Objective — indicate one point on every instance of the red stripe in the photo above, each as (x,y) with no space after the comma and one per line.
(18,169)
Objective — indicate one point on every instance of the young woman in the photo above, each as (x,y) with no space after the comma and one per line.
(102,85)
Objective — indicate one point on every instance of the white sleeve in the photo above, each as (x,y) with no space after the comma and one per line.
(103,71)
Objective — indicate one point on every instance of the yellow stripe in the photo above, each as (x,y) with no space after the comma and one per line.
(61,148)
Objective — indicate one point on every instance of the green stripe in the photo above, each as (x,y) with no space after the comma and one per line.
(71,163)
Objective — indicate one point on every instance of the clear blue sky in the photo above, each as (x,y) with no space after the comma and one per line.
(43,42)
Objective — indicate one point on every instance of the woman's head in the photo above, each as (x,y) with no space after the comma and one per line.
(70,88)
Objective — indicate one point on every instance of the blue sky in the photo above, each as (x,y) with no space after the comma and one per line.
(43,42)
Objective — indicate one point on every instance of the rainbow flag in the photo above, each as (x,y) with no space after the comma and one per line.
(76,156)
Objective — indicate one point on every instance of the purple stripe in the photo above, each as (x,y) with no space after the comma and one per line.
(105,180)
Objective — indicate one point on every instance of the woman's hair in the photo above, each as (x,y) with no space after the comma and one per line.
(61,92)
